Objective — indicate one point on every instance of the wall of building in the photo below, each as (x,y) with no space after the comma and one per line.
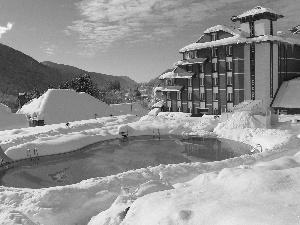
(238,73)
(289,58)
(275,69)
(204,38)
(262,73)
(247,76)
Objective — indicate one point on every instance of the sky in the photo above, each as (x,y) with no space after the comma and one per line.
(135,38)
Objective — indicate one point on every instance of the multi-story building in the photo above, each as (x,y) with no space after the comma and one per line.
(226,67)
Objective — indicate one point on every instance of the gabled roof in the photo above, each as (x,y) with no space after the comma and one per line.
(257,11)
(219,28)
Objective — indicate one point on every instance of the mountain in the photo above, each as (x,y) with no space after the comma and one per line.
(20,73)
(98,78)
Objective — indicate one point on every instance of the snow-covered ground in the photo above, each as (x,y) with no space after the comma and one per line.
(260,188)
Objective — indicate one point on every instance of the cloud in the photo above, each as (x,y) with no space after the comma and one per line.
(49,49)
(105,23)
(3,30)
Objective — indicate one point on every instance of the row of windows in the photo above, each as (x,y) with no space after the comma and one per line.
(201,81)
(228,66)
(214,67)
(202,96)
(196,54)
(179,109)
(200,67)
(215,81)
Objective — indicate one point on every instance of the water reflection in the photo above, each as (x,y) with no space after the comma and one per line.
(201,149)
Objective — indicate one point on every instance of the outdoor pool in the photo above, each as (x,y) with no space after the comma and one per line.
(116,156)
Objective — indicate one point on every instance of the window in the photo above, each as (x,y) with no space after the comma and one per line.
(214,36)
(214,52)
(229,97)
(170,81)
(201,67)
(189,81)
(215,81)
(179,95)
(229,50)
(189,95)
(168,95)
(202,96)
(201,81)
(215,96)
(190,68)
(229,66)
(190,55)
(214,64)
(229,80)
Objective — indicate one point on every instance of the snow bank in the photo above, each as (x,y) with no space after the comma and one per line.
(243,195)
(62,106)
(239,120)
(118,210)
(245,128)
(9,120)
(250,189)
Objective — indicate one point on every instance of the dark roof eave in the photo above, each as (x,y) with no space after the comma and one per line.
(264,15)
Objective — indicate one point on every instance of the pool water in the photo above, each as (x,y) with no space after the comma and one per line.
(111,157)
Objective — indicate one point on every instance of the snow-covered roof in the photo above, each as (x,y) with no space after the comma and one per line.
(256,11)
(9,120)
(172,88)
(219,28)
(288,95)
(62,105)
(177,73)
(238,39)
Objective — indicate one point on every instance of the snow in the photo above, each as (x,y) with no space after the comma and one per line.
(261,188)
(9,120)
(219,28)
(288,94)
(173,74)
(62,106)
(130,108)
(257,10)
(238,39)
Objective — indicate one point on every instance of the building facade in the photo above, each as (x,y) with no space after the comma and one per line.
(225,67)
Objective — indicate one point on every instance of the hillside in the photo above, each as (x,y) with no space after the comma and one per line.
(20,72)
(98,78)
(156,81)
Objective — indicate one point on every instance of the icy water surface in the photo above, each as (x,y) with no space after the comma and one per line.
(113,157)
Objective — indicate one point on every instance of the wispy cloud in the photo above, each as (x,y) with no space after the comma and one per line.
(106,22)
(3,30)
(49,49)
